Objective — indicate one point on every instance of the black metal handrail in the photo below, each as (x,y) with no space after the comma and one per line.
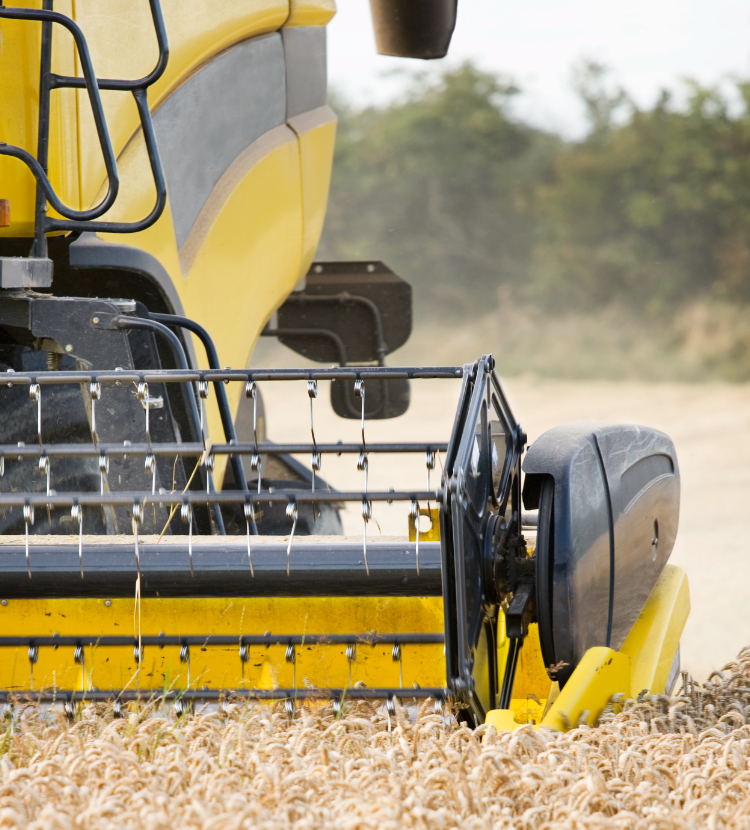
(82,220)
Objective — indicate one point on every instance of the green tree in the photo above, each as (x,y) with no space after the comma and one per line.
(439,186)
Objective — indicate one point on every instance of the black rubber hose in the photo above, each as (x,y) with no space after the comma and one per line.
(126,322)
(222,400)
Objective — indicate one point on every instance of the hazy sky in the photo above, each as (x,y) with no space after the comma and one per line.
(648,44)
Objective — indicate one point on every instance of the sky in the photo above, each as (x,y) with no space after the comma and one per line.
(647,44)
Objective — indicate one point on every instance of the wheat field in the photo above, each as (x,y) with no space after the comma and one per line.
(661,762)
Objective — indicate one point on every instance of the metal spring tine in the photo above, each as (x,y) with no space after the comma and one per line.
(202,396)
(103,470)
(45,470)
(28,519)
(312,392)
(33,658)
(430,464)
(186,514)
(77,513)
(137,519)
(359,392)
(35,393)
(291,657)
(210,467)
(95,392)
(415,515)
(396,655)
(249,516)
(290,708)
(150,464)
(80,659)
(185,658)
(351,656)
(390,708)
(117,709)
(363,466)
(366,516)
(291,514)
(143,397)
(256,463)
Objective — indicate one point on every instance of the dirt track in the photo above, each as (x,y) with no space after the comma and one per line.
(710,425)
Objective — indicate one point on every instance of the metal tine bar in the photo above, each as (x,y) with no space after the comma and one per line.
(94,695)
(239,375)
(161,449)
(118,499)
(268,639)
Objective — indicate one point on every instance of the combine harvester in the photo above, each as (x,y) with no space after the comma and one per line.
(141,215)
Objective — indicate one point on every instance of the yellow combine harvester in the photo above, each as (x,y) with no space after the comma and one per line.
(164,171)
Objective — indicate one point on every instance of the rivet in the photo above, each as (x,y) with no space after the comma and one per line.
(4,602)
(95,320)
(107,602)
(69,348)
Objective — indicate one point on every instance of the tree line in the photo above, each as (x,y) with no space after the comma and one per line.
(651,209)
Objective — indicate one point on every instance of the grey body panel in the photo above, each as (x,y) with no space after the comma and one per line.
(306,75)
(612,482)
(215,115)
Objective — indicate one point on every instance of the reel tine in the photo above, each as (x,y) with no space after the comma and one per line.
(351,657)
(95,393)
(291,514)
(291,657)
(249,516)
(185,658)
(210,465)
(35,393)
(186,514)
(397,656)
(143,397)
(366,516)
(251,391)
(137,519)
(414,510)
(77,514)
(202,396)
(28,518)
(150,465)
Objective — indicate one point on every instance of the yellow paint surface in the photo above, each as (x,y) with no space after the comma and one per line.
(221,667)
(311,12)
(123,45)
(20,44)
(655,637)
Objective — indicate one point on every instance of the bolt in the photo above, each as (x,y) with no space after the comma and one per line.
(4,602)
(69,348)
(108,602)
(95,320)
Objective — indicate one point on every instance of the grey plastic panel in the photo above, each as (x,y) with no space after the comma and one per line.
(644,485)
(215,115)
(306,73)
(612,483)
